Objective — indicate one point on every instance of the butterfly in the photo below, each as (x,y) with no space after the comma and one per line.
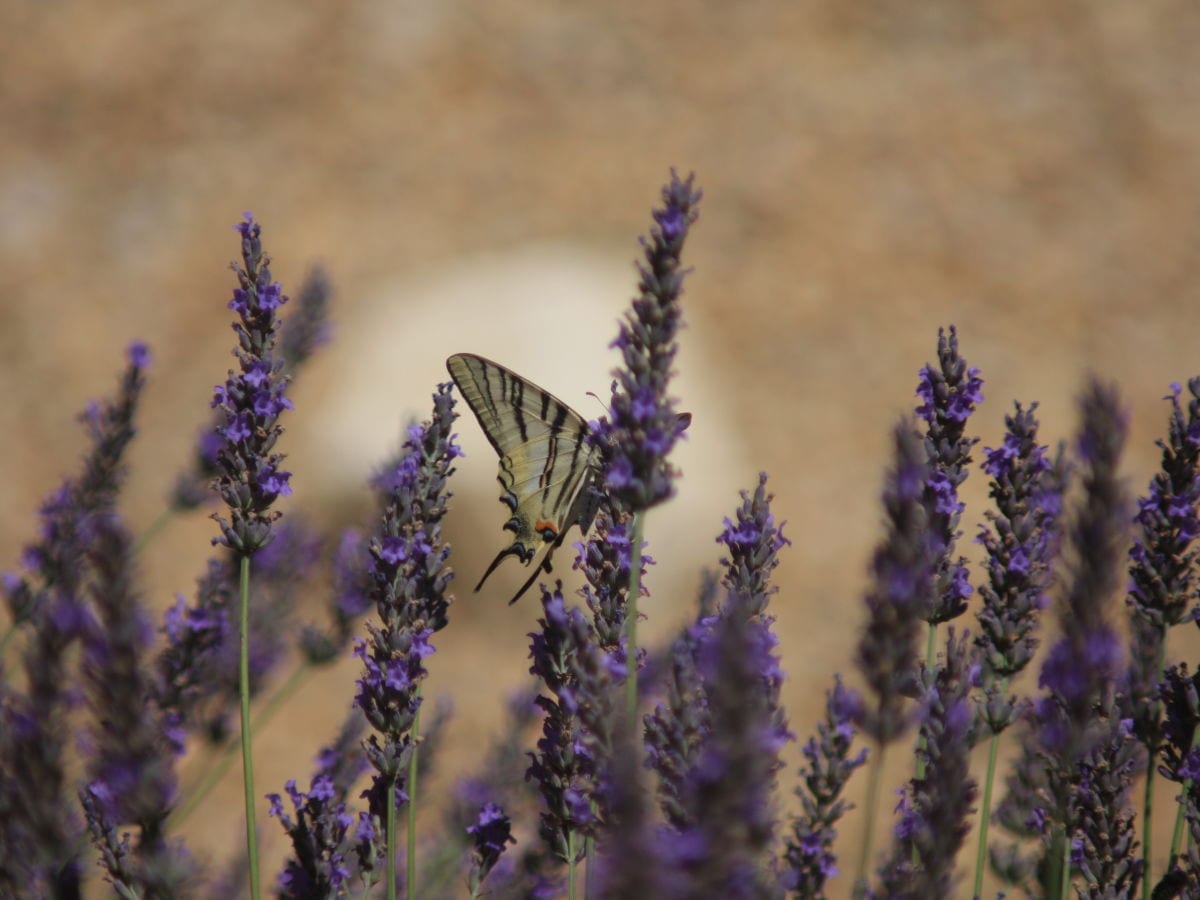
(549,475)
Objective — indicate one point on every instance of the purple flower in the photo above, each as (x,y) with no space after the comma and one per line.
(409,589)
(349,601)
(1162,561)
(249,402)
(1074,716)
(937,806)
(1104,847)
(949,394)
(902,570)
(38,835)
(576,741)
(605,557)
(491,834)
(752,544)
(131,763)
(642,426)
(726,795)
(328,854)
(827,768)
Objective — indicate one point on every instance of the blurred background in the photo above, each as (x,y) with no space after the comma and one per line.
(473,177)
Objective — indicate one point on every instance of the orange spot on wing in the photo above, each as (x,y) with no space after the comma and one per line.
(542,526)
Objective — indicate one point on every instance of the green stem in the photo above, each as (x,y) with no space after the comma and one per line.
(589,858)
(1177,836)
(151,530)
(8,636)
(985,811)
(1148,789)
(864,859)
(410,880)
(631,618)
(247,756)
(390,836)
(1064,883)
(572,866)
(196,793)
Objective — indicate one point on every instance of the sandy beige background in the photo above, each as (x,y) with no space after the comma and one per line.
(474,176)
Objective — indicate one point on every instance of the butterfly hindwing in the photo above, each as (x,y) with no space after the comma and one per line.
(547,469)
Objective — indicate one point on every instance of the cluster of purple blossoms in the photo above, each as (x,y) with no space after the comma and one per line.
(1020,545)
(753,543)
(576,743)
(642,426)
(1162,567)
(902,585)
(1077,715)
(131,778)
(409,575)
(936,804)
(39,835)
(331,847)
(302,333)
(490,836)
(350,600)
(249,479)
(828,765)
(1103,846)
(726,794)
(949,394)
(605,558)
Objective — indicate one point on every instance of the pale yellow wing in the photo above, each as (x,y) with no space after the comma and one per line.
(547,470)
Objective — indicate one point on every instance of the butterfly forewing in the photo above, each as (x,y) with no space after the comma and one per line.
(547,470)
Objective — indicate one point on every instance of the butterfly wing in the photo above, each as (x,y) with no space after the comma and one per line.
(547,469)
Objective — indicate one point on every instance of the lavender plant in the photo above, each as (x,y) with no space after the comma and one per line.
(902,585)
(642,426)
(714,737)
(1163,585)
(409,578)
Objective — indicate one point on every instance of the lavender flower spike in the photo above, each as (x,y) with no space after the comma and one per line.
(949,394)
(301,334)
(642,427)
(1075,714)
(828,767)
(1162,568)
(753,543)
(410,577)
(491,834)
(252,398)
(901,591)
(39,837)
(936,804)
(132,779)
(576,742)
(727,794)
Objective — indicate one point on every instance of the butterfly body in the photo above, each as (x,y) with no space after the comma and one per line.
(549,474)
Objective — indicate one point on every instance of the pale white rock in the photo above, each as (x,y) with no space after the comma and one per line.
(549,313)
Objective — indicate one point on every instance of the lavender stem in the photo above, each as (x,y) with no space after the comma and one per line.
(196,794)
(930,659)
(410,787)
(985,811)
(390,838)
(152,529)
(1148,795)
(247,755)
(872,804)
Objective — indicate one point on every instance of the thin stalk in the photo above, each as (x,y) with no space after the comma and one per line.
(410,788)
(247,734)
(589,858)
(1148,788)
(1177,837)
(196,794)
(572,866)
(151,530)
(985,811)
(631,617)
(8,636)
(390,837)
(1064,883)
(864,859)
